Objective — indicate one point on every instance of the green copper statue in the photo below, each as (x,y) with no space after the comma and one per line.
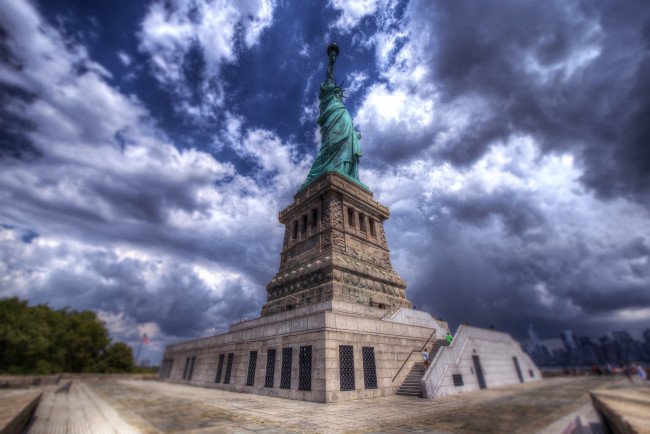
(340,150)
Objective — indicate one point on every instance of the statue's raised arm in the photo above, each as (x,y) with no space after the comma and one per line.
(340,150)
(332,53)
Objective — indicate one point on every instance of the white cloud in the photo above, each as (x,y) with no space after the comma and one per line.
(352,12)
(124,58)
(207,29)
(125,220)
(591,241)
(274,158)
(355,81)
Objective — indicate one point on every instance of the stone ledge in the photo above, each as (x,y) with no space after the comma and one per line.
(624,410)
(16,411)
(337,182)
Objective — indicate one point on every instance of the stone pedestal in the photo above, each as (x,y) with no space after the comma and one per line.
(334,249)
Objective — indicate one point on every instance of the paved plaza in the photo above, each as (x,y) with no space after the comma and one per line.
(128,406)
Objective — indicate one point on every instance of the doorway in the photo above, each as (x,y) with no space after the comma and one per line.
(479,372)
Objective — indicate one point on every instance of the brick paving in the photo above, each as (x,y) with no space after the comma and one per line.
(154,407)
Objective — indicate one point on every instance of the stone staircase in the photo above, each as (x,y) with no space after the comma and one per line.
(436,347)
(411,385)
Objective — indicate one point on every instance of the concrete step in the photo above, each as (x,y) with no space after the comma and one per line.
(411,384)
(419,395)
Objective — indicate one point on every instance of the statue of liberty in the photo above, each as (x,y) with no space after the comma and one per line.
(340,150)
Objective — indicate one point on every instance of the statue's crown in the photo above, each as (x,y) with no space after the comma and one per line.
(340,88)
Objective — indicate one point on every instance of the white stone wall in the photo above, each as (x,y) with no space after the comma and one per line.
(324,326)
(418,318)
(495,351)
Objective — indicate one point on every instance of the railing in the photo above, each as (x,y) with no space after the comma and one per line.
(390,312)
(460,339)
(414,351)
(460,342)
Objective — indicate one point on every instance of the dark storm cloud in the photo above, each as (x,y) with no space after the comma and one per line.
(467,266)
(523,59)
(484,231)
(14,140)
(517,214)
(170,295)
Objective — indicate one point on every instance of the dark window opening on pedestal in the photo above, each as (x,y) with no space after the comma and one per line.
(371,224)
(285,375)
(304,363)
(346,367)
(270,368)
(219,369)
(304,224)
(369,368)
(295,230)
(189,377)
(479,372)
(362,223)
(252,362)
(458,380)
(226,378)
(532,374)
(187,364)
(314,218)
(382,306)
(351,217)
(516,362)
(165,368)
(289,307)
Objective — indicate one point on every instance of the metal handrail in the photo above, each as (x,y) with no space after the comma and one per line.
(411,353)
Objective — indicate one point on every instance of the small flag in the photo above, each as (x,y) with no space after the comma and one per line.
(145,338)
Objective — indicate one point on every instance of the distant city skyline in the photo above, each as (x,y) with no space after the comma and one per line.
(608,348)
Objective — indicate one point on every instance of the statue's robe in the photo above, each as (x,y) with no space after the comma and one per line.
(340,150)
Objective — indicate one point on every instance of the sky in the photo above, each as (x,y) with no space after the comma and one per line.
(146,149)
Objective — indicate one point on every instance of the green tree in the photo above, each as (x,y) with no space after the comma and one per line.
(24,337)
(40,340)
(118,358)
